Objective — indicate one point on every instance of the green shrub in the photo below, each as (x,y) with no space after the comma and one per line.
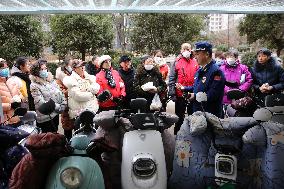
(52,66)
(222,47)
(116,54)
(248,58)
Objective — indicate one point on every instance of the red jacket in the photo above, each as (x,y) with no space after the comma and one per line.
(116,92)
(164,69)
(185,70)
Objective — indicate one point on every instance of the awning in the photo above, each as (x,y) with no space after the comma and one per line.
(141,6)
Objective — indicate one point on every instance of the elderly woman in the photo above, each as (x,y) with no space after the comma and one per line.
(44,88)
(110,80)
(146,73)
(61,72)
(268,76)
(10,96)
(235,72)
(82,90)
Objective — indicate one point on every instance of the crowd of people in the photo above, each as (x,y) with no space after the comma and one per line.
(97,86)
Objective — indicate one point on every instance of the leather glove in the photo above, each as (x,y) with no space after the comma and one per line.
(15,105)
(104,96)
(233,84)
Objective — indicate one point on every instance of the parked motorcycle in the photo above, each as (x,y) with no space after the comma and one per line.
(143,163)
(77,170)
(12,143)
(236,152)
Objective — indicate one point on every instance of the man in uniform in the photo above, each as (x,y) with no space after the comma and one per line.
(208,79)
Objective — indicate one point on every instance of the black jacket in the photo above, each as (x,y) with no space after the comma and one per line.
(142,77)
(128,79)
(271,73)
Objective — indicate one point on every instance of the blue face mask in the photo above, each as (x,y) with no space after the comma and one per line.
(43,74)
(4,72)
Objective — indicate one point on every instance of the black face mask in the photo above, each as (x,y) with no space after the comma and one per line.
(110,79)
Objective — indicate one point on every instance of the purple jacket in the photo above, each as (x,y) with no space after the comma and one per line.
(234,73)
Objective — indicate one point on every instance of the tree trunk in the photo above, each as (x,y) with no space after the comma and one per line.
(278,51)
(83,52)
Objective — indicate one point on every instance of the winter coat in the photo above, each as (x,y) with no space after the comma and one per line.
(32,171)
(81,93)
(234,73)
(117,92)
(7,91)
(92,69)
(23,82)
(142,77)
(66,121)
(164,70)
(271,73)
(182,71)
(128,79)
(210,80)
(44,90)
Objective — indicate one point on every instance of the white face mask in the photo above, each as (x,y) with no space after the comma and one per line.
(157,60)
(186,54)
(148,66)
(231,61)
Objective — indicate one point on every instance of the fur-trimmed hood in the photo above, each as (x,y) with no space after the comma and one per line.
(269,65)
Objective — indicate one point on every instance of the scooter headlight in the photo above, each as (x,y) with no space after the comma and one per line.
(71,178)
(144,167)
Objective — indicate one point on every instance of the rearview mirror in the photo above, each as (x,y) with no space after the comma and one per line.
(139,104)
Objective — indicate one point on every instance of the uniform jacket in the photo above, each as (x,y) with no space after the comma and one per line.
(210,80)
(117,92)
(44,90)
(271,73)
(142,77)
(61,72)
(7,91)
(234,73)
(182,71)
(81,93)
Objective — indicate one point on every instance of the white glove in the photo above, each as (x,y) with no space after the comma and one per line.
(201,97)
(16,98)
(121,84)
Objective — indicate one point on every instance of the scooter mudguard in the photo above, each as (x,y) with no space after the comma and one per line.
(143,160)
(79,172)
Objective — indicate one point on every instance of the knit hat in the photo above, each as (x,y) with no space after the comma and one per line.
(264,51)
(103,58)
(124,58)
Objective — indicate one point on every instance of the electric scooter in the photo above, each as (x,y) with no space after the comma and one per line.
(143,159)
(236,152)
(77,170)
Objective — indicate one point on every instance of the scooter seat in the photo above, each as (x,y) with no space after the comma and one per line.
(231,123)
